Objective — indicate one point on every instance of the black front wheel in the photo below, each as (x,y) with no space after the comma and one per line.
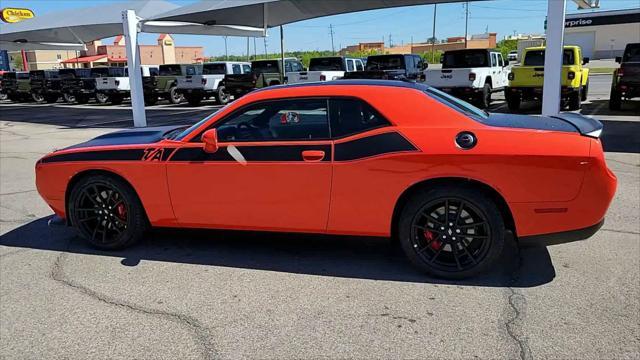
(222,96)
(451,232)
(69,98)
(485,96)
(575,100)
(102,98)
(174,96)
(37,97)
(106,212)
(585,91)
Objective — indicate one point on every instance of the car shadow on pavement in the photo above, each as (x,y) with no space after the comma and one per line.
(337,256)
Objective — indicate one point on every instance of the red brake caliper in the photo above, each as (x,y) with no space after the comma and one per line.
(435,244)
(121,211)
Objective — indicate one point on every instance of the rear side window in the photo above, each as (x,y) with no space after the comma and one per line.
(359,65)
(350,66)
(170,70)
(352,116)
(236,69)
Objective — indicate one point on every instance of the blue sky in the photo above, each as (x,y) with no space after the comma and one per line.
(401,24)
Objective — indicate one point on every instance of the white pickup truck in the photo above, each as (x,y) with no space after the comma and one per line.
(208,81)
(471,74)
(326,69)
(112,83)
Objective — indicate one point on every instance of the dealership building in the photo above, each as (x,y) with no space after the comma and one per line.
(603,34)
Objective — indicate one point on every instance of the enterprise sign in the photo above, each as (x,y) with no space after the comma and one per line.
(602,20)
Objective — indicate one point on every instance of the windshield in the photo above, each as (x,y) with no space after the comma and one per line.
(457,104)
(214,69)
(270,66)
(387,62)
(100,72)
(632,53)
(465,59)
(536,58)
(191,128)
(326,64)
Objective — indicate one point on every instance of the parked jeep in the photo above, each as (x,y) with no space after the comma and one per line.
(3,93)
(10,85)
(392,67)
(45,85)
(209,81)
(626,79)
(526,80)
(164,84)
(471,74)
(326,69)
(77,85)
(263,73)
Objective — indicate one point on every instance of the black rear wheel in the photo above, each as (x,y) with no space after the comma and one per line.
(106,212)
(585,91)
(615,100)
(174,96)
(222,97)
(485,96)
(513,101)
(102,98)
(575,100)
(69,98)
(37,97)
(451,232)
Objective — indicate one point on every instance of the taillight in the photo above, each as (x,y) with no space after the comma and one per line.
(323,78)
(511,76)
(472,76)
(204,81)
(571,75)
(620,72)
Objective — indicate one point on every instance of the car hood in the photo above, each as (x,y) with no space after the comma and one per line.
(142,136)
(564,122)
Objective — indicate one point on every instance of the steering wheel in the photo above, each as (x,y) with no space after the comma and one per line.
(245,127)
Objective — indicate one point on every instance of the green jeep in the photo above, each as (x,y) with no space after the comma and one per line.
(163,85)
(263,73)
(45,85)
(18,86)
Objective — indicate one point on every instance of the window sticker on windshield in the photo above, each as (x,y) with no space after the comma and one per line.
(290,117)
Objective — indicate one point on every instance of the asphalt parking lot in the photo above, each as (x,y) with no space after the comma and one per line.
(184,294)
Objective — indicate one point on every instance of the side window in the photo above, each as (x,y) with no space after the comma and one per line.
(409,63)
(494,60)
(236,69)
(359,65)
(246,69)
(419,63)
(300,119)
(350,66)
(297,66)
(352,116)
(287,66)
(500,60)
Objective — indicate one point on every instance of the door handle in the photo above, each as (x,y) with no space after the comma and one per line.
(313,155)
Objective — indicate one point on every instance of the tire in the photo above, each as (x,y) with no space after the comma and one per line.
(38,97)
(485,99)
(68,98)
(175,97)
(575,102)
(513,102)
(107,212)
(150,100)
(102,98)
(585,91)
(222,96)
(615,100)
(194,100)
(3,96)
(116,99)
(424,240)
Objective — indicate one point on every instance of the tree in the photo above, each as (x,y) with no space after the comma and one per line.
(506,46)
(16,61)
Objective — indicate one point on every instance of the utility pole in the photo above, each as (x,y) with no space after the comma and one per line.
(466,23)
(333,49)
(226,49)
(390,41)
(248,50)
(433,36)
(265,47)
(255,50)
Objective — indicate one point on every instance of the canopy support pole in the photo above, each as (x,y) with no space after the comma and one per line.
(130,24)
(282,74)
(553,57)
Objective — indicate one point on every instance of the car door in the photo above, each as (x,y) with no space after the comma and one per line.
(272,170)
(502,72)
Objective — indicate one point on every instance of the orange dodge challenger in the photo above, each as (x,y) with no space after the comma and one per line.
(356,157)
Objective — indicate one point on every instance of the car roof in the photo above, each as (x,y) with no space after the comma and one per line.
(354,82)
(566,47)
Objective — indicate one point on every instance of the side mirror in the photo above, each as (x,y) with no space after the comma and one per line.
(425,65)
(442,59)
(618,59)
(506,62)
(210,140)
(585,61)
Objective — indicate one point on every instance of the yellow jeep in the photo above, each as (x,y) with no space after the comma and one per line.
(526,80)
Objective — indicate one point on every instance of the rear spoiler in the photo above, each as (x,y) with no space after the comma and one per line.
(586,126)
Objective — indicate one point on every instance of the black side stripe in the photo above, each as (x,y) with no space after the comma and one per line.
(252,153)
(375,145)
(107,155)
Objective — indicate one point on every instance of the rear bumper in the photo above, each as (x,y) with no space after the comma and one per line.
(535,92)
(560,237)
(201,92)
(462,92)
(114,92)
(629,90)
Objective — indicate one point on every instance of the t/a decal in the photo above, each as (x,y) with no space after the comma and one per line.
(153,154)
